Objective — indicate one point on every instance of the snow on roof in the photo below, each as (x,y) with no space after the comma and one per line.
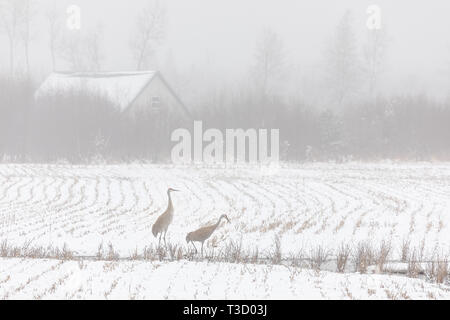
(121,88)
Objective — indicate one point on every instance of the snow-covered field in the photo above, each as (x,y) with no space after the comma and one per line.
(305,206)
(47,279)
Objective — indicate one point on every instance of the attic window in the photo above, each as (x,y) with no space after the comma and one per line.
(156,103)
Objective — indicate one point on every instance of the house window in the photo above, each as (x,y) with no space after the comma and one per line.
(156,103)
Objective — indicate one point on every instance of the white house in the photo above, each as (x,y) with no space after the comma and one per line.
(130,92)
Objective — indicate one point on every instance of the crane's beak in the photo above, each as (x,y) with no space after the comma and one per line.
(175,190)
(227,219)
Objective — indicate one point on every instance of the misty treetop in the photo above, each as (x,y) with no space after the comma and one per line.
(346,105)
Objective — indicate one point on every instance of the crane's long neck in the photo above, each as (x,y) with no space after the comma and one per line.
(169,205)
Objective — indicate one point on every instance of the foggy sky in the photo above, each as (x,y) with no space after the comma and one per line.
(221,35)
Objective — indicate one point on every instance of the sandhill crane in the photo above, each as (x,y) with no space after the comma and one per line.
(203,234)
(162,224)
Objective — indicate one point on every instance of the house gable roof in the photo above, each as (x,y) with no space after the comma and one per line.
(120,88)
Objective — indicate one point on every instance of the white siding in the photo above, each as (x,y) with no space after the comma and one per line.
(169,105)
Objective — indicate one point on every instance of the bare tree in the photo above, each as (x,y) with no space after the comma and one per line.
(72,50)
(29,12)
(94,50)
(343,64)
(267,71)
(54,31)
(374,57)
(269,60)
(82,51)
(150,32)
(11,19)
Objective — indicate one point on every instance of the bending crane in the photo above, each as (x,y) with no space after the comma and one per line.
(203,234)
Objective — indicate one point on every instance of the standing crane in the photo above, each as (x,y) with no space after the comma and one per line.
(162,224)
(203,234)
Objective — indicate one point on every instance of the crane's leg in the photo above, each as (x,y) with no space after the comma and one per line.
(165,238)
(202,249)
(196,251)
(159,243)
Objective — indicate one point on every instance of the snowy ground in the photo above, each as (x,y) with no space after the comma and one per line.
(47,279)
(304,205)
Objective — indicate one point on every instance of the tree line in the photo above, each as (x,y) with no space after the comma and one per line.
(339,112)
(81,128)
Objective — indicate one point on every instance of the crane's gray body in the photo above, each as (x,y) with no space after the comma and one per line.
(163,222)
(203,234)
